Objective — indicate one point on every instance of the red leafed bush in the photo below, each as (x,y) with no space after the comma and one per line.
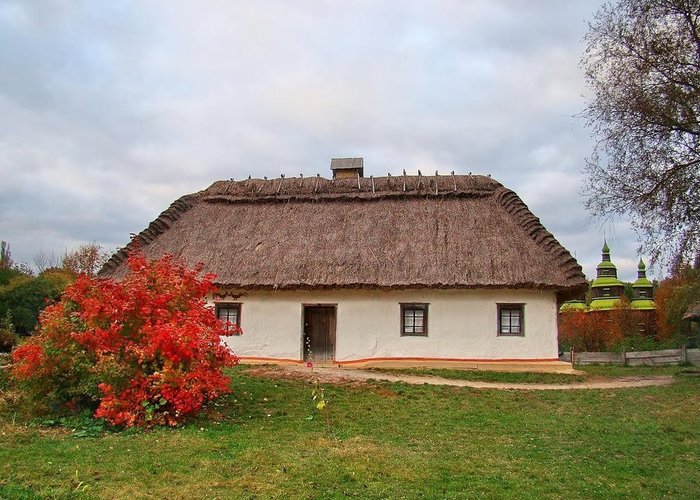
(583,331)
(142,351)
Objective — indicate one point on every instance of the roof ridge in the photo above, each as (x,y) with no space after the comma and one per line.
(320,188)
(161,224)
(515,206)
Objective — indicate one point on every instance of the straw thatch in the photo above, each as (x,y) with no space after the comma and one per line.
(390,232)
(693,312)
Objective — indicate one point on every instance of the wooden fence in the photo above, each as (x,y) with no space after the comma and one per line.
(634,358)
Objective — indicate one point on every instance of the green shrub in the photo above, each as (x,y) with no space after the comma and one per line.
(8,336)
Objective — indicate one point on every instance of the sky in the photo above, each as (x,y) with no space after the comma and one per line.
(109,111)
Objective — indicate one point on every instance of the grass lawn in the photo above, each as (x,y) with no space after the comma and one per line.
(379,440)
(591,372)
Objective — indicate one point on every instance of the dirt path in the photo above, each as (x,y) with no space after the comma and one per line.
(331,374)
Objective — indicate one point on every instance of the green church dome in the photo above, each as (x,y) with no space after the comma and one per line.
(606,271)
(606,281)
(642,281)
(643,290)
(604,303)
(643,304)
(573,305)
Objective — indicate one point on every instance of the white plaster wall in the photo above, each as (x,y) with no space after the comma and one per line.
(462,324)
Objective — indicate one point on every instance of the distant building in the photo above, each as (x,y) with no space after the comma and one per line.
(607,290)
(643,290)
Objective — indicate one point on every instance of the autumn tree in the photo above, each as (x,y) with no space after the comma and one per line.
(642,63)
(581,331)
(5,255)
(673,298)
(86,259)
(145,350)
(44,260)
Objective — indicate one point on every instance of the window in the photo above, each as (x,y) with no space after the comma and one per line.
(414,319)
(230,315)
(511,319)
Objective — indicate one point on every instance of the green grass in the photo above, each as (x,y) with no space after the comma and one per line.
(627,371)
(379,440)
(587,373)
(487,376)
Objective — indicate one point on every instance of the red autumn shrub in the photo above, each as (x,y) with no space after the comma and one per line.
(582,331)
(674,296)
(621,327)
(142,351)
(627,323)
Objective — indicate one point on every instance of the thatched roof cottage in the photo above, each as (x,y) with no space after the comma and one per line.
(358,269)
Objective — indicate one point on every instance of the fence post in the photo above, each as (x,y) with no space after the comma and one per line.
(684,354)
(571,354)
(624,358)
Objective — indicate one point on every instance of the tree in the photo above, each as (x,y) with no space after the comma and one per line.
(45,260)
(87,259)
(24,296)
(673,297)
(145,350)
(5,256)
(642,63)
(8,336)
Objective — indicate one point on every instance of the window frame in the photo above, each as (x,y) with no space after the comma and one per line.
(521,319)
(218,306)
(408,306)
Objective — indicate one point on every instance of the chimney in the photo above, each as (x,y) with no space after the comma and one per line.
(347,168)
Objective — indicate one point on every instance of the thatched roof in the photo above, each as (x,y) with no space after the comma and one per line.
(450,231)
(693,312)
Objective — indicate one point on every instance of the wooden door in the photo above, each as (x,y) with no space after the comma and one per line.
(319,333)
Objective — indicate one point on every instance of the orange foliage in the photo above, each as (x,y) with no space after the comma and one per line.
(624,322)
(600,330)
(673,297)
(581,330)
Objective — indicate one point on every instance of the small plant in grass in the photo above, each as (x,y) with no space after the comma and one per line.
(139,352)
(318,394)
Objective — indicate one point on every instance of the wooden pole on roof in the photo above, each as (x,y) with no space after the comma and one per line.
(454,180)
(436,182)
(371,178)
(279,187)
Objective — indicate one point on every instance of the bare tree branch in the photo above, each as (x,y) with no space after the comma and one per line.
(642,62)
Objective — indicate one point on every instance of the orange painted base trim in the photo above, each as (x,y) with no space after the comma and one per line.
(453,360)
(254,359)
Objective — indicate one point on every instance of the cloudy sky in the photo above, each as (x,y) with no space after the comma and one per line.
(111,110)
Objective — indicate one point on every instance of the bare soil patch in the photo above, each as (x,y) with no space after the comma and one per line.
(350,376)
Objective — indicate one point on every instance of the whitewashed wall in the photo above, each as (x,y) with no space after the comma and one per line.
(462,324)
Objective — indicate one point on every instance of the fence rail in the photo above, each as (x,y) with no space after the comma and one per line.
(634,358)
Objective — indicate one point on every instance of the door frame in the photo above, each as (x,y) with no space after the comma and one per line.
(331,333)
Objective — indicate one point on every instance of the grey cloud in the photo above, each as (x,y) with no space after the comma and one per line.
(110,111)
